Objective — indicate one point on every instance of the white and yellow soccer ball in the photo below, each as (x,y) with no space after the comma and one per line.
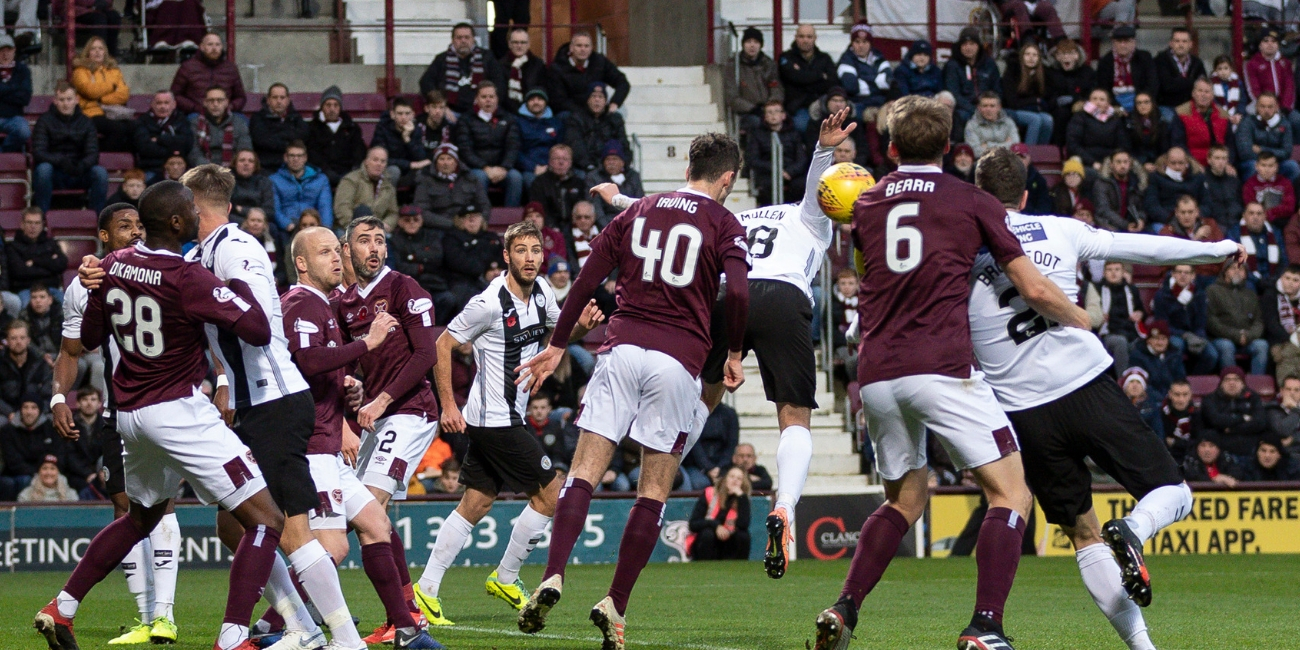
(839,188)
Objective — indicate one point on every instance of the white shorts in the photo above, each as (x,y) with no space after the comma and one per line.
(341,494)
(390,455)
(642,393)
(185,439)
(963,413)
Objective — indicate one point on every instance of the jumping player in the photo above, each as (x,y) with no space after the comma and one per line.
(1055,385)
(154,304)
(670,250)
(918,231)
(508,323)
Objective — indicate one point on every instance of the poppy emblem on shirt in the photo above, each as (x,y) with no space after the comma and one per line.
(512,321)
(362,313)
(550,130)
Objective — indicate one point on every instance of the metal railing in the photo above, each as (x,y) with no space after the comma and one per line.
(778,167)
(638,155)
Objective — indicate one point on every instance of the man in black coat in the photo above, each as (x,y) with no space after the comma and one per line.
(25,442)
(758,156)
(1176,69)
(23,372)
(590,126)
(417,251)
(807,73)
(334,142)
(160,134)
(402,136)
(558,188)
(458,72)
(1141,76)
(34,257)
(65,147)
(523,71)
(575,67)
(488,141)
(468,252)
(276,125)
(444,188)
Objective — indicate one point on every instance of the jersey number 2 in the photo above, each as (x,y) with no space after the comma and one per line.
(896,236)
(665,258)
(1024,325)
(148,323)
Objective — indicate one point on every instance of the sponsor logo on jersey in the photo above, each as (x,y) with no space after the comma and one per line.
(1029,232)
(305,327)
(419,305)
(223,294)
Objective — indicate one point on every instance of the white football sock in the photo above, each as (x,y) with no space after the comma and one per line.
(166,542)
(139,570)
(231,635)
(1159,508)
(793,456)
(1101,576)
(527,532)
(283,596)
(67,604)
(320,580)
(451,538)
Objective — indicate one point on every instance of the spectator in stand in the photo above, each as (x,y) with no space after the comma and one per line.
(1134,383)
(863,135)
(962,164)
(1200,123)
(84,456)
(65,148)
(1117,195)
(613,170)
(1096,130)
(847,151)
(1121,308)
(587,130)
(865,74)
(217,132)
(334,142)
(130,190)
(1181,302)
(1235,322)
(1271,462)
(1149,135)
(417,252)
(1222,189)
(1265,256)
(1268,189)
(807,73)
(99,84)
(49,485)
(276,125)
(204,70)
(1270,72)
(1164,364)
(548,429)
(1227,88)
(469,251)
(560,277)
(584,231)
(25,443)
(24,372)
(747,460)
(558,188)
(704,463)
(174,168)
(1189,224)
(367,185)
(488,142)
(1284,414)
(299,186)
(1175,176)
(969,74)
(448,479)
(1126,70)
(252,188)
(1033,14)
(161,133)
(524,71)
(15,94)
(1181,419)
(44,322)
(256,224)
(443,189)
(1024,95)
(457,72)
(1235,412)
(720,521)
(1068,85)
(756,81)
(554,243)
(439,123)
(34,257)
(1071,192)
(181,24)
(402,137)
(1176,69)
(758,156)
(575,68)
(991,127)
(1040,197)
(539,130)
(1210,463)
(917,74)
(1280,305)
(1266,130)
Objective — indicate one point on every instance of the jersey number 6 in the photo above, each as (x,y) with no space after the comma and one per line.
(148,323)
(896,235)
(652,255)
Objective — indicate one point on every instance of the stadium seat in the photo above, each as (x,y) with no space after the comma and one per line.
(367,105)
(1148,295)
(1203,385)
(1263,385)
(13,195)
(305,103)
(1053,177)
(14,184)
(38,106)
(140,103)
(10,222)
(1043,154)
(367,130)
(74,224)
(76,249)
(1146,275)
(504,217)
(116,164)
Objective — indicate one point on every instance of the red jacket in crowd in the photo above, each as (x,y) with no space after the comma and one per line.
(1198,132)
(1271,76)
(1277,193)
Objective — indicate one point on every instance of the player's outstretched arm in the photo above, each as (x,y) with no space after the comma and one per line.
(65,374)
(1157,249)
(610,194)
(451,421)
(1043,295)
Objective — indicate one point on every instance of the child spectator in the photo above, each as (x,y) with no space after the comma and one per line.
(1210,463)
(1071,191)
(758,156)
(1148,134)
(1181,419)
(1276,194)
(584,231)
(918,75)
(1024,94)
(1222,189)
(991,127)
(130,190)
(1265,256)
(1236,324)
(1227,87)
(1266,130)
(49,486)
(844,316)
(969,74)
(1134,383)
(720,521)
(1117,195)
(448,479)
(1097,130)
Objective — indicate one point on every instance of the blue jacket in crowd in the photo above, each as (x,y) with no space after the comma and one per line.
(911,81)
(1254,131)
(536,137)
(1190,317)
(983,76)
(1162,370)
(867,82)
(16,93)
(293,195)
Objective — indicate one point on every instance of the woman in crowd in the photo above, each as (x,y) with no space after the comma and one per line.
(1024,95)
(1148,136)
(252,188)
(720,522)
(255,224)
(1097,130)
(1068,85)
(104,93)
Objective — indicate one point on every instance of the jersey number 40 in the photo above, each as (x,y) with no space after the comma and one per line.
(148,323)
(665,258)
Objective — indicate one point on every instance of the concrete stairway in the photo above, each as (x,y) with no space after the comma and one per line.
(411,46)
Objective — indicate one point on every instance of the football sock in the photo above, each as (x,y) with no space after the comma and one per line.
(271,621)
(137,570)
(282,594)
(399,557)
(527,532)
(451,538)
(570,517)
(997,555)
(248,574)
(320,579)
(1101,575)
(639,539)
(1161,507)
(377,559)
(166,542)
(793,456)
(878,542)
(104,553)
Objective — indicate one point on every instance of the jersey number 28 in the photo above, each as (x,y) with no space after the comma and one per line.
(666,258)
(146,313)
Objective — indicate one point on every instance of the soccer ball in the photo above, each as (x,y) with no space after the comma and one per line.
(839,188)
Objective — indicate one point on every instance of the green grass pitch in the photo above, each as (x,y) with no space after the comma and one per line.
(1238,602)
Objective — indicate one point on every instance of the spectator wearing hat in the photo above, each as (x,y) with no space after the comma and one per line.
(1266,187)
(991,127)
(65,148)
(1136,388)
(402,136)
(1279,303)
(1271,462)
(1270,72)
(559,275)
(1181,418)
(1126,70)
(559,187)
(24,443)
(865,73)
(1068,85)
(208,68)
(758,156)
(1175,176)
(443,189)
(1222,189)
(1120,306)
(1265,254)
(161,133)
(575,68)
(751,80)
(806,74)
(367,185)
(524,71)
(1176,69)
(1180,301)
(1117,194)
(613,169)
(584,231)
(590,126)
(49,484)
(278,123)
(1208,462)
(299,186)
(539,130)
(970,73)
(1235,412)
(439,122)
(15,94)
(1071,191)
(458,72)
(1235,322)
(1040,197)
(1164,365)
(1200,123)
(962,164)
(417,251)
(917,74)
(1266,130)
(1025,95)
(1096,130)
(489,145)
(335,144)
(554,243)
(469,251)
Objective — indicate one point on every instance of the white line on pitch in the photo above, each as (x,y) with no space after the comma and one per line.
(561,637)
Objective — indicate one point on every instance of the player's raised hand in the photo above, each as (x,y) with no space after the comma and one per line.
(733,372)
(831,133)
(90,273)
(451,421)
(606,191)
(591,316)
(379,328)
(1241,256)
(540,367)
(63,422)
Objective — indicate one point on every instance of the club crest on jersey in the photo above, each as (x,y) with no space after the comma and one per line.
(1029,232)
(337,495)
(546,462)
(540,300)
(381,306)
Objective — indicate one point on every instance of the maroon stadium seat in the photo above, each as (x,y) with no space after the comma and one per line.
(10,222)
(1203,385)
(506,216)
(367,105)
(12,164)
(13,195)
(76,249)
(1044,154)
(1053,178)
(1148,295)
(140,103)
(1263,385)
(75,224)
(305,103)
(38,106)
(116,164)
(1146,275)
(367,131)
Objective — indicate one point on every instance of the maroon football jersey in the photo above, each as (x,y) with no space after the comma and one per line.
(384,369)
(918,230)
(669,249)
(316,343)
(154,304)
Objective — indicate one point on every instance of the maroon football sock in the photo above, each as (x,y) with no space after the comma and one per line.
(403,569)
(566,528)
(377,559)
(639,539)
(878,543)
(997,554)
(273,620)
(249,572)
(105,552)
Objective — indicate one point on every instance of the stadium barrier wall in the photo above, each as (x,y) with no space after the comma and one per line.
(53,538)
